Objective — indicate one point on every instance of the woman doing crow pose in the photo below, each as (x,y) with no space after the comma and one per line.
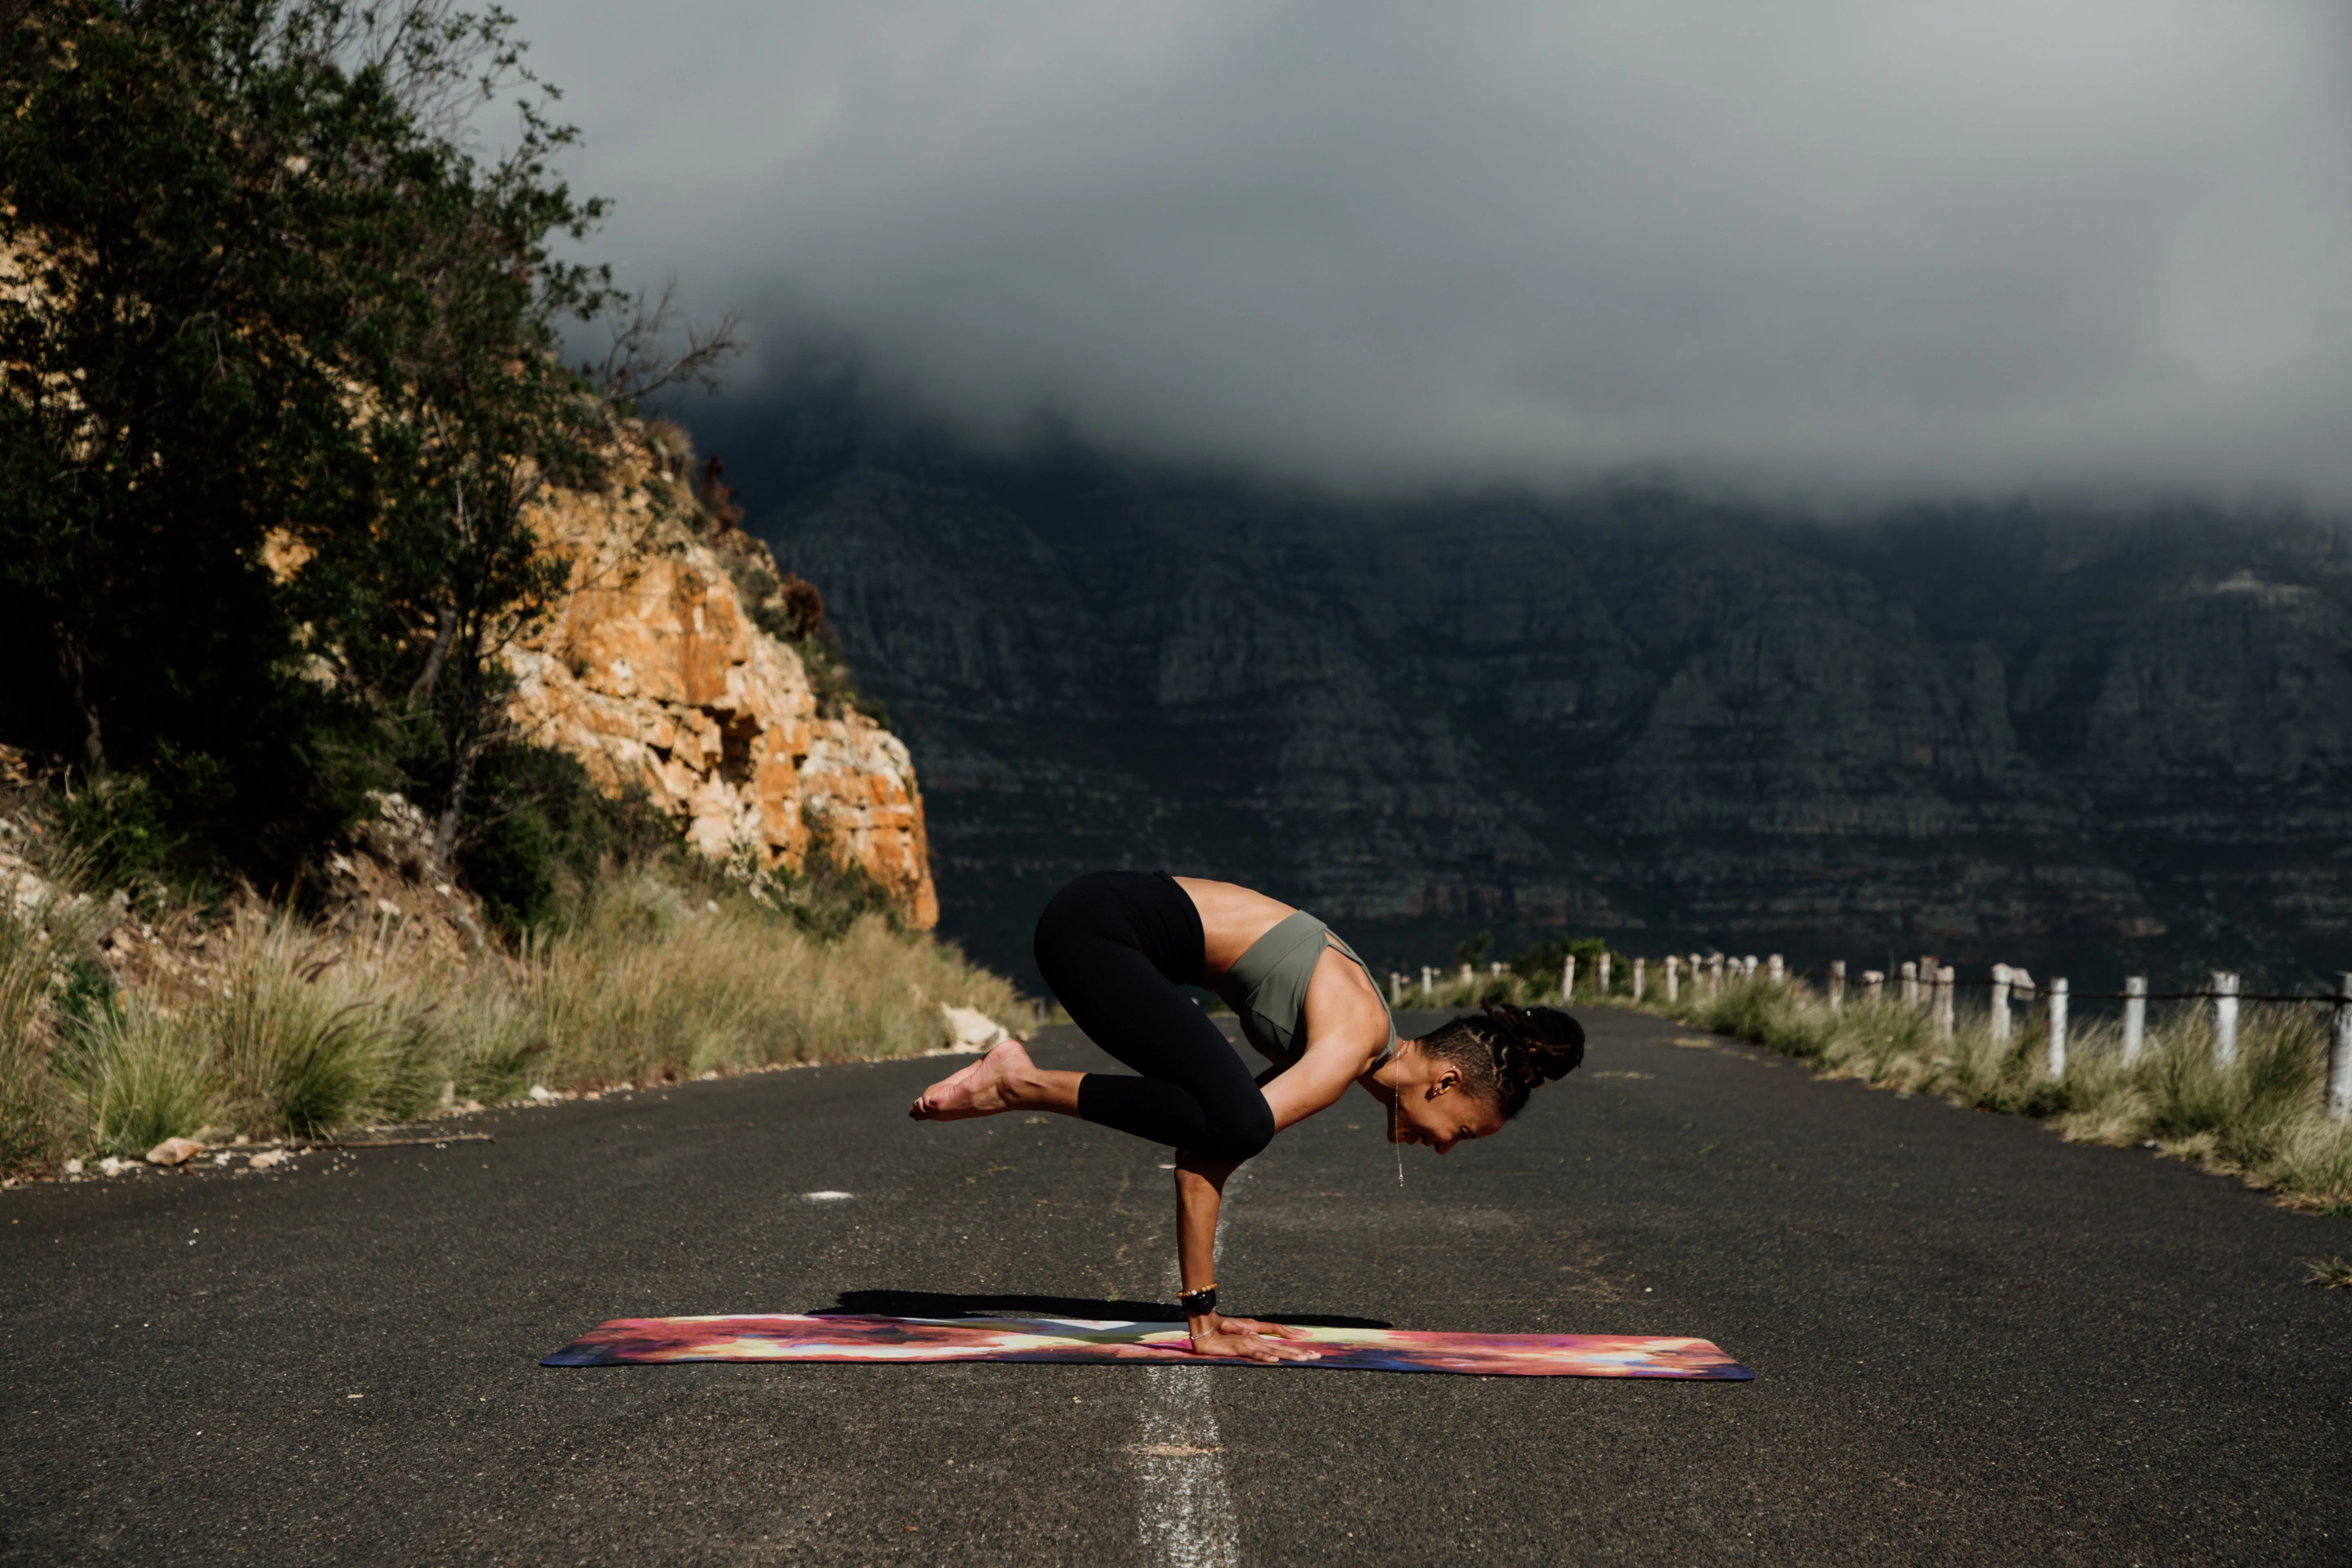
(1116,946)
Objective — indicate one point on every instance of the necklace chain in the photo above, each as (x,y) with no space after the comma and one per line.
(1396,1102)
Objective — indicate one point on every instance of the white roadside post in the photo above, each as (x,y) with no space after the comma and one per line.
(2225,1016)
(1674,978)
(1568,979)
(1469,978)
(1428,983)
(1715,975)
(1747,967)
(1396,989)
(1909,970)
(2000,1005)
(2135,1016)
(1944,1002)
(2339,1052)
(1837,984)
(2058,1028)
(1873,984)
(1602,981)
(1495,971)
(1638,964)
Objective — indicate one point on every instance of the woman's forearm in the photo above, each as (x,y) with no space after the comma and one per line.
(1199,1190)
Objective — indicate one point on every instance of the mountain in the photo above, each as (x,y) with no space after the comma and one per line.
(2107,739)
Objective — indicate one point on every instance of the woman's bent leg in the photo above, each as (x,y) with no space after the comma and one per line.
(1112,946)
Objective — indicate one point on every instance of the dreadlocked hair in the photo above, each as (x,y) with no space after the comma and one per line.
(1506,1052)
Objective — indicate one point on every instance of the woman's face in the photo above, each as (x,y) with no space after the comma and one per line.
(1442,1113)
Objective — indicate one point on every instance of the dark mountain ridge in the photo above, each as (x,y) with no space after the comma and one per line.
(2102,739)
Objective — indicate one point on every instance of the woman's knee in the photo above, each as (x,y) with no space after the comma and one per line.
(1244,1134)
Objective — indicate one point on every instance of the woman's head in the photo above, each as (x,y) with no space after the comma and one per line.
(1481,1067)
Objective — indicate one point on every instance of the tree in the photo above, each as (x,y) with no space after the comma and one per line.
(164,409)
(479,417)
(642,359)
(279,389)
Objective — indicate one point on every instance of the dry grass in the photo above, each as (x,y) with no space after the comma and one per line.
(647,983)
(648,980)
(2260,1117)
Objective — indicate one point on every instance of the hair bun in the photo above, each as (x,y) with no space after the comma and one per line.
(1534,1045)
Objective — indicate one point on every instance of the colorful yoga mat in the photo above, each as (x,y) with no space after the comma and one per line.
(794,1337)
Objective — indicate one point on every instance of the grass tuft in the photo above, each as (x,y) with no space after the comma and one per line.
(130,1081)
(41,929)
(2332,1273)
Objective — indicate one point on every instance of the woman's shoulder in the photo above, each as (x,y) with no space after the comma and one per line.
(1344,1003)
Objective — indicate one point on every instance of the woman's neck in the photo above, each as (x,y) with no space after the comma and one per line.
(1405,1068)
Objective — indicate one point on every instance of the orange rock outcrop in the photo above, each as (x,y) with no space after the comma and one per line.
(653,673)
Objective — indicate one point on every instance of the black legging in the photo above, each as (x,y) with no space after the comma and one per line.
(1115,945)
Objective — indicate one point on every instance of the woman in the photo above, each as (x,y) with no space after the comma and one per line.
(1116,946)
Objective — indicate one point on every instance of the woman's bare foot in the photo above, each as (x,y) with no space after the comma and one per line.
(983,1089)
(962,1075)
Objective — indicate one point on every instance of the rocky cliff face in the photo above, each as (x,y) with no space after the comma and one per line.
(1989,734)
(655,675)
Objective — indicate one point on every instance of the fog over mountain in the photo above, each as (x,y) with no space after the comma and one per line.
(1370,243)
(2112,739)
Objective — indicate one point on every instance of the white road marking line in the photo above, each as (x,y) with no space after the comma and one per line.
(827,1197)
(1186,1513)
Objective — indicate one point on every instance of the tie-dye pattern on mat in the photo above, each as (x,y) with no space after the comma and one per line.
(628,1340)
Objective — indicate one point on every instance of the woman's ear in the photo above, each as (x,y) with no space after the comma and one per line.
(1445,1082)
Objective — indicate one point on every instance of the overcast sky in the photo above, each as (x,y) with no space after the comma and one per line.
(1930,242)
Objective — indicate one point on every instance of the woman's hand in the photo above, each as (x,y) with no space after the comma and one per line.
(1214,1334)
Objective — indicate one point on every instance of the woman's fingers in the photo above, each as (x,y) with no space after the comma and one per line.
(1273,1330)
(1277,1350)
(1248,1346)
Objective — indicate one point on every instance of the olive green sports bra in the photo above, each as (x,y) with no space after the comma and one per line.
(1266,986)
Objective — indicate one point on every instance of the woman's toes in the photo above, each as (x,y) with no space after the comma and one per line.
(949,1099)
(978,1090)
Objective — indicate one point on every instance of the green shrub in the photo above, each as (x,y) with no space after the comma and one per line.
(115,826)
(539,820)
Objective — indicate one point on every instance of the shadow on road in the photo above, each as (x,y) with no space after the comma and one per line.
(943,1304)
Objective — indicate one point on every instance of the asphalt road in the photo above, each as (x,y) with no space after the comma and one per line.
(1972,1341)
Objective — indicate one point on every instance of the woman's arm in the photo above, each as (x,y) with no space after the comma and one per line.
(1314,1082)
(1346,1029)
(1199,1190)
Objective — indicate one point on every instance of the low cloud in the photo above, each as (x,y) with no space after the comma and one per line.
(1875,242)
